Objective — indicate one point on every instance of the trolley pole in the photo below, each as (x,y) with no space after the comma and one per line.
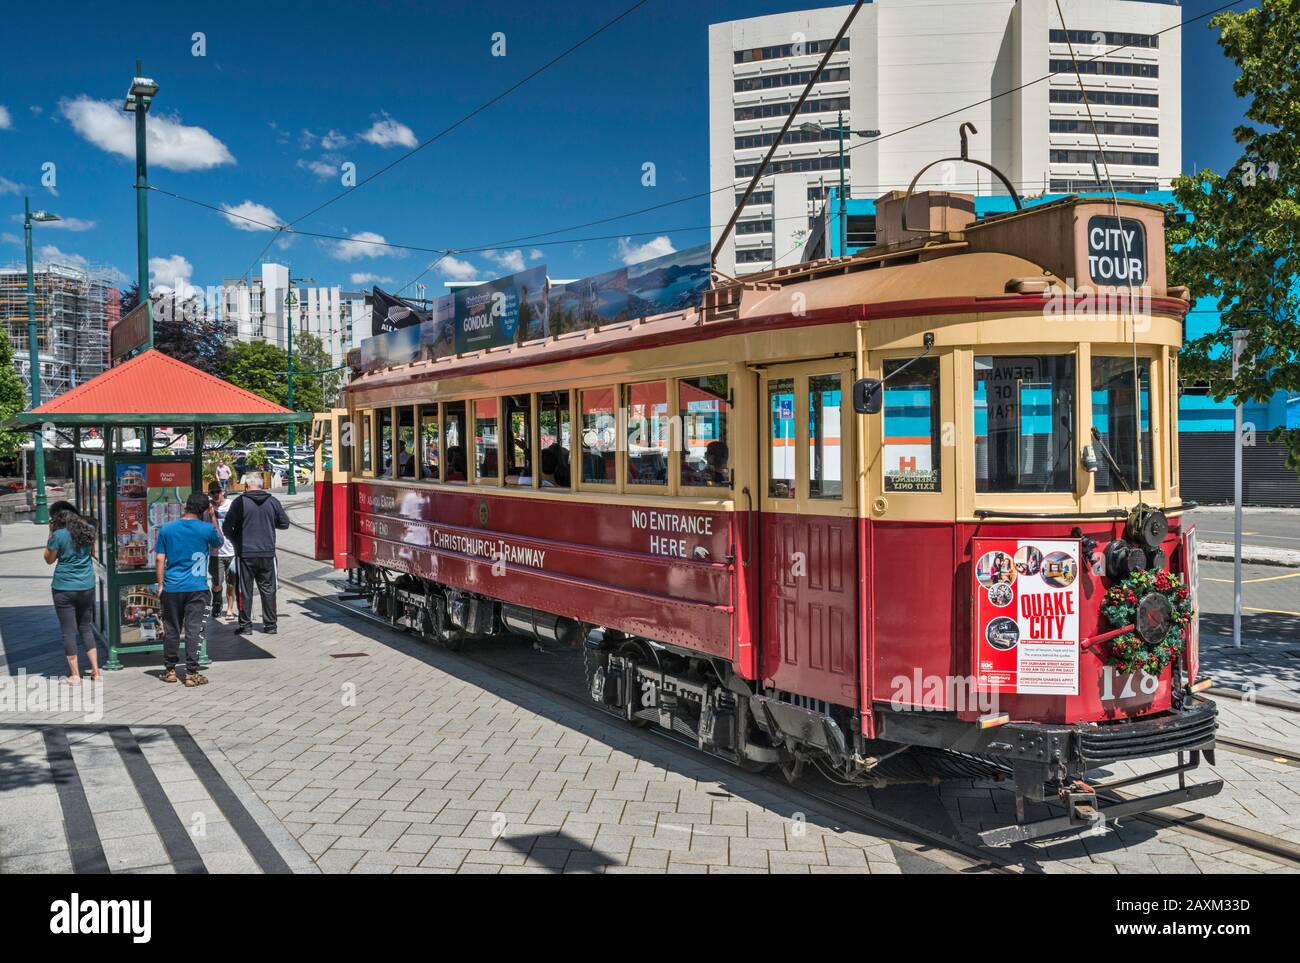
(844,215)
(1238,347)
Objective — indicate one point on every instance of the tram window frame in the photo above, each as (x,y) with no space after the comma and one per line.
(816,478)
(367,450)
(689,485)
(1171,396)
(495,404)
(1062,389)
(458,412)
(922,374)
(602,454)
(423,415)
(513,406)
(399,414)
(564,418)
(1122,365)
(626,394)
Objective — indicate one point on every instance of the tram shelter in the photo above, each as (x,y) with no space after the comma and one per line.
(130,493)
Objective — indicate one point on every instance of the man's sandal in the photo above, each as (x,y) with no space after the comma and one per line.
(168,676)
(193,678)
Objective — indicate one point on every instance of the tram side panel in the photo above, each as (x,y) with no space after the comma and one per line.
(661,574)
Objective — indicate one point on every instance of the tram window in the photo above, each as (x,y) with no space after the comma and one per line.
(519,440)
(781,439)
(347,441)
(487,466)
(366,460)
(555,438)
(429,448)
(405,457)
(384,442)
(599,436)
(1024,423)
(706,459)
(825,468)
(647,426)
(911,426)
(1115,416)
(454,436)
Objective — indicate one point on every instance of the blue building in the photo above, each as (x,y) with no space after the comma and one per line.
(1204,425)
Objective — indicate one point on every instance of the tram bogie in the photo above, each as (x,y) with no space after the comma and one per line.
(922,498)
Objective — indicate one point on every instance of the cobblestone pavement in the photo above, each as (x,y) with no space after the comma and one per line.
(339,746)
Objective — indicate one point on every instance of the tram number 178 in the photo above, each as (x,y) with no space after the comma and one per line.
(1132,684)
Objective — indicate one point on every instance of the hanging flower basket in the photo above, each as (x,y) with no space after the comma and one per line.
(1159,607)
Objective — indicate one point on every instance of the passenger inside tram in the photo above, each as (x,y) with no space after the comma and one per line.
(456,464)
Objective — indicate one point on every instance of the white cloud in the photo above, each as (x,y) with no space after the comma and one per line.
(171,144)
(7,238)
(364,244)
(169,273)
(8,187)
(454,269)
(5,121)
(320,168)
(333,140)
(362,278)
(48,254)
(535,254)
(632,253)
(243,216)
(512,261)
(389,133)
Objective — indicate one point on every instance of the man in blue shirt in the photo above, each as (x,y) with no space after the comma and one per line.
(182,548)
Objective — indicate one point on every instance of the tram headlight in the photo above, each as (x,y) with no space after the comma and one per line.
(1123,559)
(1154,617)
(1147,527)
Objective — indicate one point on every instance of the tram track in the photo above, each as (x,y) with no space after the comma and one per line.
(975,858)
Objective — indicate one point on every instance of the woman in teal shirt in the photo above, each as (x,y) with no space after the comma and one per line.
(68,550)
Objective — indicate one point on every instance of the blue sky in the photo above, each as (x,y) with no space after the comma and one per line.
(289,89)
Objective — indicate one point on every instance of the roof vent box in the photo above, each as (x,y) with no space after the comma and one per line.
(928,213)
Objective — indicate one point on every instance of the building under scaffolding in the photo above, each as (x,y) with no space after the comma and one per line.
(76,306)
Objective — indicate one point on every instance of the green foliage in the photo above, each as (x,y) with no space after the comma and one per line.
(13,398)
(1243,242)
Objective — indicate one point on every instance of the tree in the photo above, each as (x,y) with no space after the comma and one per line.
(1242,242)
(261,368)
(13,398)
(184,329)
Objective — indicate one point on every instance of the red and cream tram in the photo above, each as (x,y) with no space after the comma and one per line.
(923,496)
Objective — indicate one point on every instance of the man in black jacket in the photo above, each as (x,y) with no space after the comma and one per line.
(250,525)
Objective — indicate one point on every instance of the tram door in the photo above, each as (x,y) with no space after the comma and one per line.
(330,433)
(808,528)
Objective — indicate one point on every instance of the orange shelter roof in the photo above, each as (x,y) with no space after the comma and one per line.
(155,387)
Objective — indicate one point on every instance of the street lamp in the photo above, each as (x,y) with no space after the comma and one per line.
(289,302)
(139,97)
(33,356)
(841,131)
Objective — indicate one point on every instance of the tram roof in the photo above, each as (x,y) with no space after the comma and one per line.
(965,265)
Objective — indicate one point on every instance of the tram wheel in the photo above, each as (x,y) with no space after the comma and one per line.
(639,651)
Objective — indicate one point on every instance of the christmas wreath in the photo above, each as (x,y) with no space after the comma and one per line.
(1159,607)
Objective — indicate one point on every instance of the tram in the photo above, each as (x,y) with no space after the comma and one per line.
(920,498)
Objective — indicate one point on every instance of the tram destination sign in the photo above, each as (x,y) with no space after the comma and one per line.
(1117,250)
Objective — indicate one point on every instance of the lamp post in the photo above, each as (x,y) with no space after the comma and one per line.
(289,302)
(138,98)
(33,355)
(841,132)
